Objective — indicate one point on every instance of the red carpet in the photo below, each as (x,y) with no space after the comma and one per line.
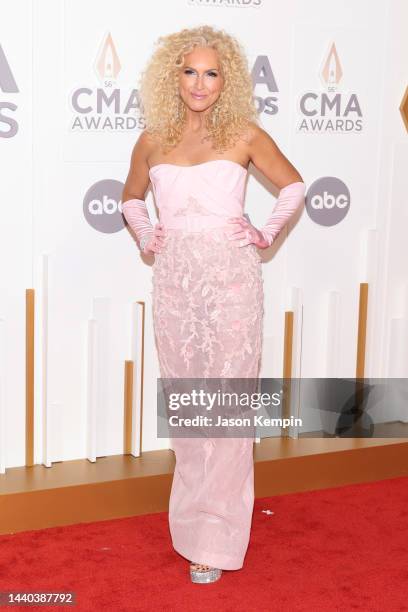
(339,549)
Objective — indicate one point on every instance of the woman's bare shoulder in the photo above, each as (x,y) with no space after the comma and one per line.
(145,142)
(256,133)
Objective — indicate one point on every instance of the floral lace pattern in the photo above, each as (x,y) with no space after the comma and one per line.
(207,301)
(207,306)
(194,207)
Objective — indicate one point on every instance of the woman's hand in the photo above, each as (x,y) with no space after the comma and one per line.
(156,240)
(246,233)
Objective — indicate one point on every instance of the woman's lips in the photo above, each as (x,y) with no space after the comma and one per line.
(198,96)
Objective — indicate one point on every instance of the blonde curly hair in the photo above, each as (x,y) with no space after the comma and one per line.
(164,110)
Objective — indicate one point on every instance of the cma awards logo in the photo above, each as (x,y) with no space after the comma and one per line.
(106,107)
(263,77)
(8,85)
(330,110)
(102,206)
(328,201)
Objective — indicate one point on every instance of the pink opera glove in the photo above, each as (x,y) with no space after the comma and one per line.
(289,200)
(137,216)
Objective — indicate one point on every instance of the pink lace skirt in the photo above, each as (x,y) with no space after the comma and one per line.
(208,315)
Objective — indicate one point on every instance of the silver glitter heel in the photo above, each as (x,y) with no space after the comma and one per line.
(204,576)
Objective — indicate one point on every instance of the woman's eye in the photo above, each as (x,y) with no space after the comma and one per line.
(189,71)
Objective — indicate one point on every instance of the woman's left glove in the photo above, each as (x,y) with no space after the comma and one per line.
(247,233)
(289,200)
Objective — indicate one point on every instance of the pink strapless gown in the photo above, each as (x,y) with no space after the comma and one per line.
(207,314)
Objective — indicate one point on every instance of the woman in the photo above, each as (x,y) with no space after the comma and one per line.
(201,134)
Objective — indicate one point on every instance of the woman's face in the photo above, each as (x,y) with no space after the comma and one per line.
(200,79)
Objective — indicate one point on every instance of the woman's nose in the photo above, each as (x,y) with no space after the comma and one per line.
(199,81)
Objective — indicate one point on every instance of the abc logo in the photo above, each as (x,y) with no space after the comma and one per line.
(102,206)
(328,201)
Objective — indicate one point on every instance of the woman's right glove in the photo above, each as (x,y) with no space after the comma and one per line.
(136,214)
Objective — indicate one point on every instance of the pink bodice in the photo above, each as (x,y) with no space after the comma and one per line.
(200,196)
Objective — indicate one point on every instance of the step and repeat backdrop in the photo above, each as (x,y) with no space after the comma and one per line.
(78,363)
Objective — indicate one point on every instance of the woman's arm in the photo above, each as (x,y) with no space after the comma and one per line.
(137,180)
(133,204)
(267,157)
